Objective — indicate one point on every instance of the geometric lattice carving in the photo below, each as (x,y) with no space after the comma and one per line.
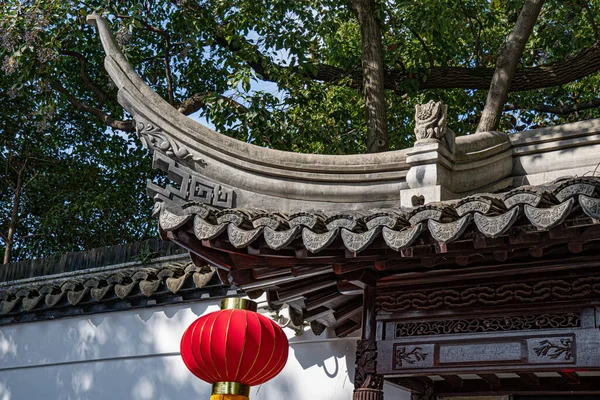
(192,187)
(492,324)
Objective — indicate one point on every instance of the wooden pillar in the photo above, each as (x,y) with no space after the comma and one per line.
(367,384)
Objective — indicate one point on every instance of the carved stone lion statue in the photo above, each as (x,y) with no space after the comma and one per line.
(431,123)
(431,120)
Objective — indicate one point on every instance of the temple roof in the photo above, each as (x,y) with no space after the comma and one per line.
(229,173)
(89,282)
(529,208)
(312,231)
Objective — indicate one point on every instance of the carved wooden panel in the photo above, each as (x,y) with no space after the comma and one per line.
(489,324)
(551,350)
(473,353)
(407,357)
(489,295)
(488,352)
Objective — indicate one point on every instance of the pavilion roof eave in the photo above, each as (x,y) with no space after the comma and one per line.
(527,209)
(240,165)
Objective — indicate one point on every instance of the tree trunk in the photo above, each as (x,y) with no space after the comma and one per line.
(373,78)
(14,216)
(506,65)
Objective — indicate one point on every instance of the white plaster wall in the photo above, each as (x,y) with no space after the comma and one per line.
(135,355)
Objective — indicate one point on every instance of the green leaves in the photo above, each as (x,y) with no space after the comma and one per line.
(87,185)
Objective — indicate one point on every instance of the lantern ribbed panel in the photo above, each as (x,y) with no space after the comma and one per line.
(234,346)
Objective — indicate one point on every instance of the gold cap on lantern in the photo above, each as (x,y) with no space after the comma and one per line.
(238,303)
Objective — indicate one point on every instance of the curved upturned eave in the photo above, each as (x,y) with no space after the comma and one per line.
(142,101)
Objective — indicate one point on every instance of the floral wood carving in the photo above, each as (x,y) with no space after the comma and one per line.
(492,324)
(403,356)
(512,293)
(562,349)
(430,120)
(153,137)
(366,366)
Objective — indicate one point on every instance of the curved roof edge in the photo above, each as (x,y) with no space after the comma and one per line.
(226,172)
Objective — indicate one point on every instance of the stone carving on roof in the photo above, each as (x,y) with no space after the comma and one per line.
(494,226)
(398,240)
(591,206)
(153,138)
(192,187)
(431,123)
(430,120)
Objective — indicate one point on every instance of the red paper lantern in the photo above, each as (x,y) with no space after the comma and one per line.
(234,348)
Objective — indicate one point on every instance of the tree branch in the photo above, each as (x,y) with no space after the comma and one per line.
(563,109)
(199,100)
(167,57)
(101,94)
(590,17)
(577,66)
(572,68)
(168,70)
(476,38)
(126,126)
(425,48)
(506,65)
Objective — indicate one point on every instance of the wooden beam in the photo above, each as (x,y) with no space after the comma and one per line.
(360,278)
(349,289)
(316,313)
(491,380)
(349,309)
(342,268)
(454,380)
(263,273)
(325,296)
(479,387)
(413,384)
(571,377)
(304,287)
(529,378)
(575,247)
(346,328)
